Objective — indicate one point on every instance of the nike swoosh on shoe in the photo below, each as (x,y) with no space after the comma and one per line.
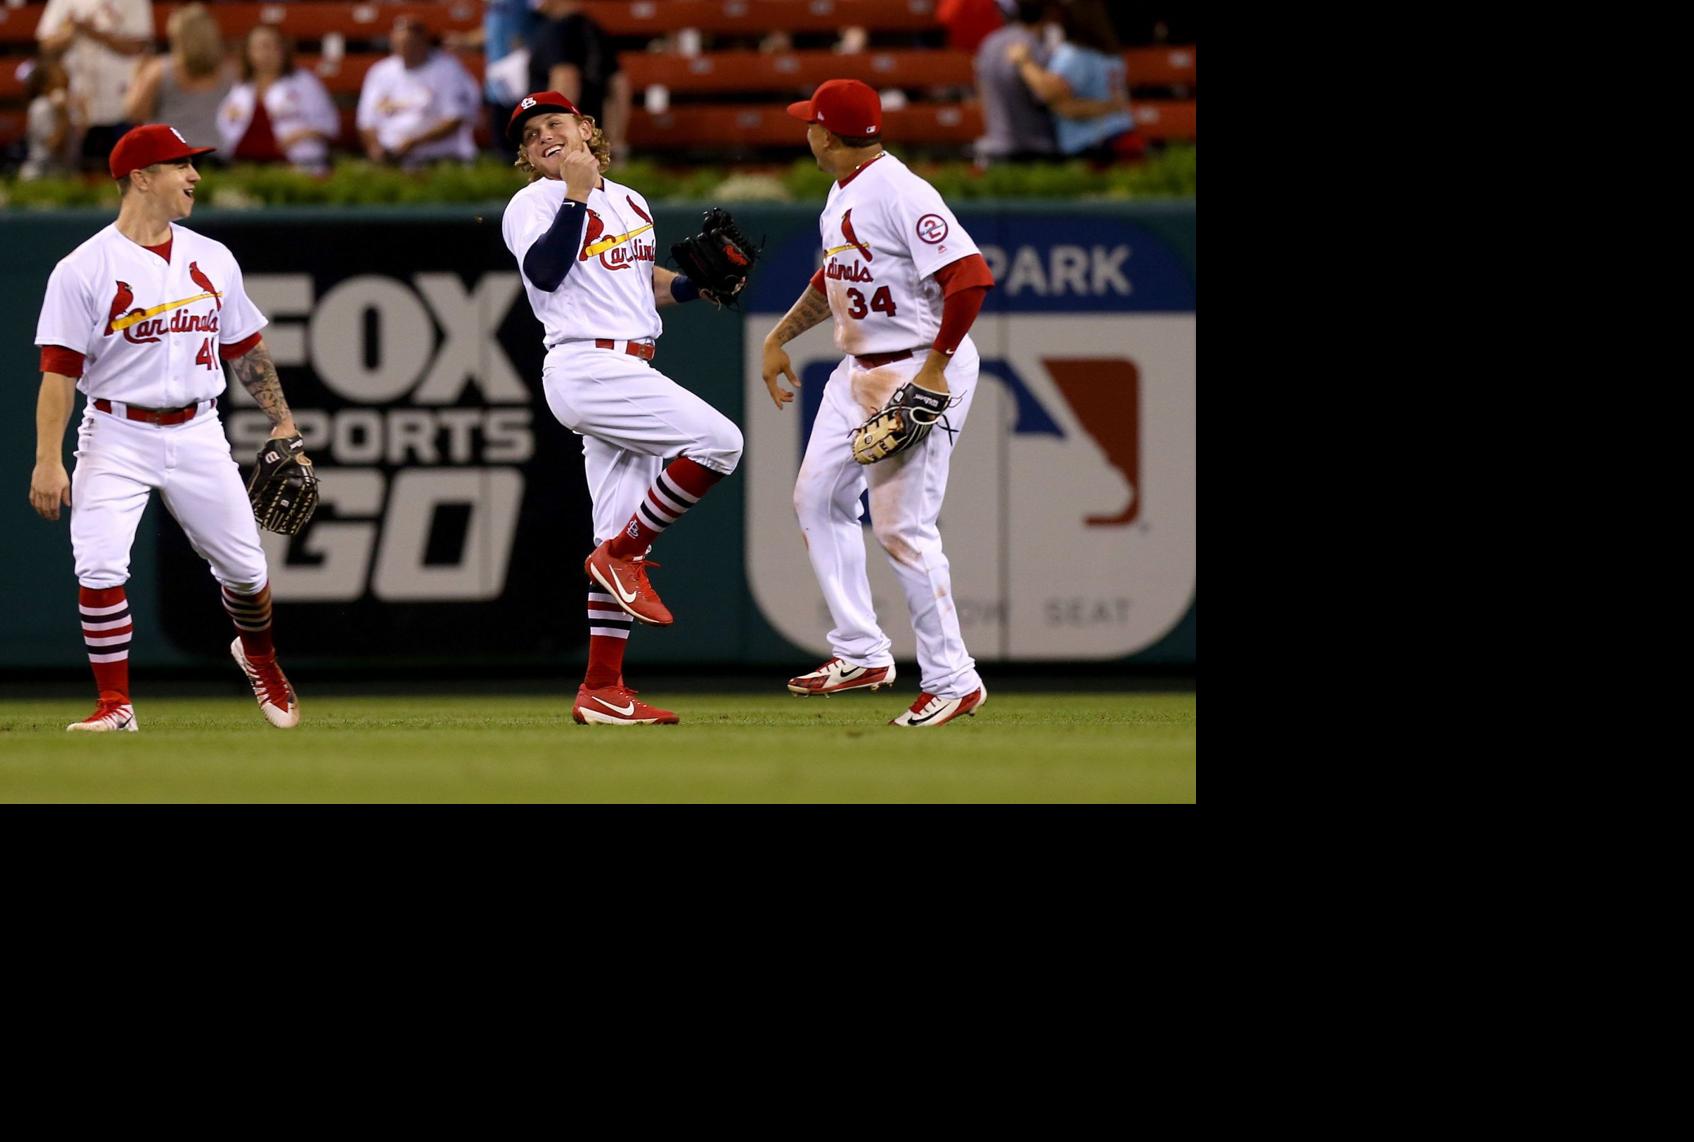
(626,596)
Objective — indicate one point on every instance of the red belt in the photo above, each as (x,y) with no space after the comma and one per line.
(154,415)
(633,348)
(877,360)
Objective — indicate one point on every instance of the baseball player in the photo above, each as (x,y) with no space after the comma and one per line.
(141,318)
(586,247)
(904,282)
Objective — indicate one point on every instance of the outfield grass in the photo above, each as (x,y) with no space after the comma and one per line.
(1022,748)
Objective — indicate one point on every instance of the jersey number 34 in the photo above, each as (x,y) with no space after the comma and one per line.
(881,301)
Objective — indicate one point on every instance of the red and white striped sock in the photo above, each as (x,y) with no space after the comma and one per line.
(608,635)
(251,615)
(675,490)
(106,630)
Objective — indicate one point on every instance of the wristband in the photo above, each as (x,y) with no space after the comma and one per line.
(682,289)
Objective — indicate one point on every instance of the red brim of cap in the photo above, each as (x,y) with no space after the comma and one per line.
(803,111)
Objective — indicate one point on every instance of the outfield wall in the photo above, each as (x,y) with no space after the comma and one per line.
(455,518)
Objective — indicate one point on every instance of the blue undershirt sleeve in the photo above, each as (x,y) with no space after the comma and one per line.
(551,256)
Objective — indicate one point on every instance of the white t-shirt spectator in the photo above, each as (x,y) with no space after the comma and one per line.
(99,76)
(400,104)
(295,101)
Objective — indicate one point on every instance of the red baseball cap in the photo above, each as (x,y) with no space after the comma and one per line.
(148,144)
(844,106)
(539,103)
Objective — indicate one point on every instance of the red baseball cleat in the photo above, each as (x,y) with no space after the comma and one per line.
(929,710)
(107,717)
(616,706)
(626,581)
(275,694)
(835,676)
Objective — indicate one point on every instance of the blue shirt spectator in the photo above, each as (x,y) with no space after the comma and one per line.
(1091,75)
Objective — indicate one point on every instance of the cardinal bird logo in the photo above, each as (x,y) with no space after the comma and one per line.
(591,235)
(200,279)
(120,305)
(853,242)
(645,217)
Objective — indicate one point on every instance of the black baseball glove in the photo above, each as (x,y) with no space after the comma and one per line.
(284,489)
(905,420)
(719,258)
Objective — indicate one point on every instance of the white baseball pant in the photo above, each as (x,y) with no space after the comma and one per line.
(631,418)
(906,491)
(120,461)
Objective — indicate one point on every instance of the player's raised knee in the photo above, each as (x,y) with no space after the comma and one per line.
(721,451)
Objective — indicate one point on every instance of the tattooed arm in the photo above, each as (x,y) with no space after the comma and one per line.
(257,374)
(810,310)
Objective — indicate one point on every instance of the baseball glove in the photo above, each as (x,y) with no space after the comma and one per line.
(719,258)
(284,489)
(905,420)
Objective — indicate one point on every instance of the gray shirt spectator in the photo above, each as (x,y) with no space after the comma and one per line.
(185,87)
(1015,123)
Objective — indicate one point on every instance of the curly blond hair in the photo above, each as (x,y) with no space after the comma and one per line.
(597,146)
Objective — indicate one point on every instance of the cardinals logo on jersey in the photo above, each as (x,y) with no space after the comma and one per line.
(125,315)
(853,242)
(200,279)
(596,243)
(145,326)
(121,301)
(591,234)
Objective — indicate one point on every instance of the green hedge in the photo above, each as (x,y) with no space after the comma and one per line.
(1168,173)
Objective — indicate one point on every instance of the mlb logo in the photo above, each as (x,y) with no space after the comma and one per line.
(1077,451)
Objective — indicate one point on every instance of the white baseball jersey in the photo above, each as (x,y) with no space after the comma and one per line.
(97,73)
(398,104)
(885,231)
(609,290)
(294,102)
(148,330)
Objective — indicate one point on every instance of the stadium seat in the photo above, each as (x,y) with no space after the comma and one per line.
(756,17)
(714,72)
(731,71)
(745,126)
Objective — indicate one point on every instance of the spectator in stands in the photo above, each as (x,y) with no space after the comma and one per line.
(503,37)
(186,87)
(854,38)
(1086,86)
(102,42)
(1016,125)
(969,22)
(278,111)
(418,105)
(571,55)
(53,133)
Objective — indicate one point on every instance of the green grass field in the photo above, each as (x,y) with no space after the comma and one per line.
(1022,748)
